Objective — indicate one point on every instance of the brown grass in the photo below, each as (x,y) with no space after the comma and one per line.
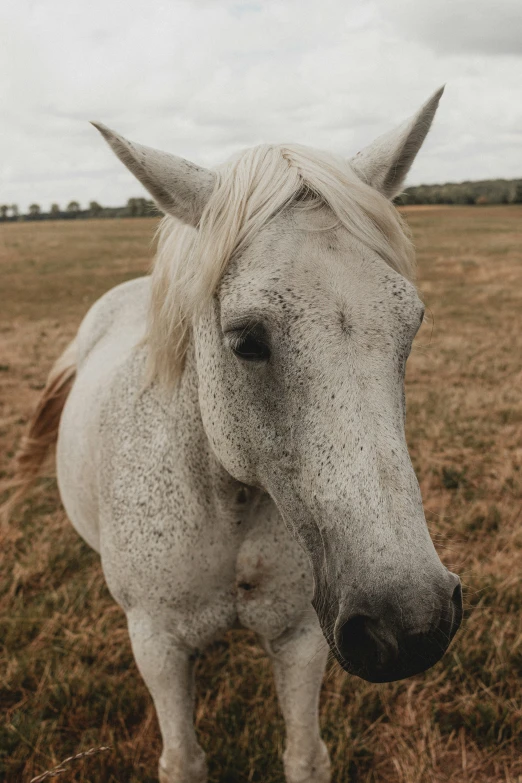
(67,678)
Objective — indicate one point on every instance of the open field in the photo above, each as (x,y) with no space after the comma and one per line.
(67,677)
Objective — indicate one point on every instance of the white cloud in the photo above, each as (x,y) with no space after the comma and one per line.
(202,78)
(465,26)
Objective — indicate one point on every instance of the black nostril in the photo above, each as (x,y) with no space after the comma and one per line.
(353,632)
(365,644)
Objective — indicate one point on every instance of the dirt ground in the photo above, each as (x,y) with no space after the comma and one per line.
(67,678)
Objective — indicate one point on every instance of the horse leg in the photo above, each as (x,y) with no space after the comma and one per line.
(168,671)
(299,660)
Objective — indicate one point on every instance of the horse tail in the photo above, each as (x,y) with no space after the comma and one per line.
(42,430)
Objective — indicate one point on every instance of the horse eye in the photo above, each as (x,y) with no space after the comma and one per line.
(250,347)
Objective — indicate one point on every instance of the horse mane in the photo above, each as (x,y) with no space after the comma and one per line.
(252,188)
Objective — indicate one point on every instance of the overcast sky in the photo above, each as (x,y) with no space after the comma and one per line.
(203,78)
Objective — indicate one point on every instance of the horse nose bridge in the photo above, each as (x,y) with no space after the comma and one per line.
(369,542)
(371,530)
(356,449)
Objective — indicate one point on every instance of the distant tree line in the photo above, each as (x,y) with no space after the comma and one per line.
(488,191)
(135,207)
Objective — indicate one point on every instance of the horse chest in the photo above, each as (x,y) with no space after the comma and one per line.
(274,583)
(179,536)
(207,572)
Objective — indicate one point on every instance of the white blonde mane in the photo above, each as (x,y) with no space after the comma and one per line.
(251,189)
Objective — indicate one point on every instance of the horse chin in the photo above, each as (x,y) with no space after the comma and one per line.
(385,674)
(428,651)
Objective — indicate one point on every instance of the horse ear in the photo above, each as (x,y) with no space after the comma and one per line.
(385,163)
(178,187)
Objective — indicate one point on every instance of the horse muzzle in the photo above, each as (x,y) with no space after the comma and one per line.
(377,648)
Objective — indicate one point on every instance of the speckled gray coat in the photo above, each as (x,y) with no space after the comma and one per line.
(253,488)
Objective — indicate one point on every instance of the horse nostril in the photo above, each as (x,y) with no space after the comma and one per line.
(353,632)
(381,649)
(363,643)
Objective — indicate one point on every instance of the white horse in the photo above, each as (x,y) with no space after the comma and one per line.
(232,434)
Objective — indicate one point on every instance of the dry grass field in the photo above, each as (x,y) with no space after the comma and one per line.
(67,677)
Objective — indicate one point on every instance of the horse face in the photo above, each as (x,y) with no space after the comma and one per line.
(301,360)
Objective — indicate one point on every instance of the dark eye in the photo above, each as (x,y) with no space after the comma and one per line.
(250,345)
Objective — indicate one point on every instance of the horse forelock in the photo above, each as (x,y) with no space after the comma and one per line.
(250,190)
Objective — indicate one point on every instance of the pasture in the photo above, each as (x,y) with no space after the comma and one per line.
(67,677)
